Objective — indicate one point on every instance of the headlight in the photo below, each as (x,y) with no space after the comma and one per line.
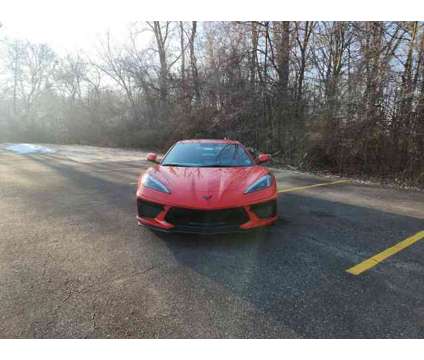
(151,182)
(262,183)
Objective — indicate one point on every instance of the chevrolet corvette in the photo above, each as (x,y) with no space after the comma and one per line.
(207,187)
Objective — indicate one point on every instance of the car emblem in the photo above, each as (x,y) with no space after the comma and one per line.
(207,197)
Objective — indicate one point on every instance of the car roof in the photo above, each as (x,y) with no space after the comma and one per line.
(205,141)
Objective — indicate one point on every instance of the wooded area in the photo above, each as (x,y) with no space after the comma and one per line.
(347,97)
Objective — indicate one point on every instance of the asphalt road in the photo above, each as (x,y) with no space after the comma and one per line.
(73,262)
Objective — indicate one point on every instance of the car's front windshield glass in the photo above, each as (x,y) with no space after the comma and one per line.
(207,155)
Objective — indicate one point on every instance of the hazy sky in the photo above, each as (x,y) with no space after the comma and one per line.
(67,25)
(73,24)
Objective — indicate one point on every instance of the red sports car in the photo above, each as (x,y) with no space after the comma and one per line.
(207,186)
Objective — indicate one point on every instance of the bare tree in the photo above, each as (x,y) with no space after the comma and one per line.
(343,96)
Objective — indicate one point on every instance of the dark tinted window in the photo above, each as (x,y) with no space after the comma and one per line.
(207,155)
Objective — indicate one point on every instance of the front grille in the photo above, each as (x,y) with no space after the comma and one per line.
(265,210)
(206,218)
(148,209)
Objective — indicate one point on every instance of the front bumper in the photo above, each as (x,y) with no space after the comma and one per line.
(205,221)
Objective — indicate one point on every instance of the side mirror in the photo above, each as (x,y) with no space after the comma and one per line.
(263,158)
(152,157)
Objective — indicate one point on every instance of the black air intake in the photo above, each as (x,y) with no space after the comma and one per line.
(182,216)
(265,210)
(148,209)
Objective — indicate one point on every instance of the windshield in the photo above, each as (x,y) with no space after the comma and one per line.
(207,155)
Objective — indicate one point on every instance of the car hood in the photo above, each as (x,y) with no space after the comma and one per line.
(207,186)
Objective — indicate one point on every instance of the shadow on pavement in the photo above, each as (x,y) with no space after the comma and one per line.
(295,271)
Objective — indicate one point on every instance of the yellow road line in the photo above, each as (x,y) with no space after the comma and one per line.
(312,186)
(376,259)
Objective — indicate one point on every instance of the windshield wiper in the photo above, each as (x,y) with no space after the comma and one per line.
(221,165)
(176,164)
